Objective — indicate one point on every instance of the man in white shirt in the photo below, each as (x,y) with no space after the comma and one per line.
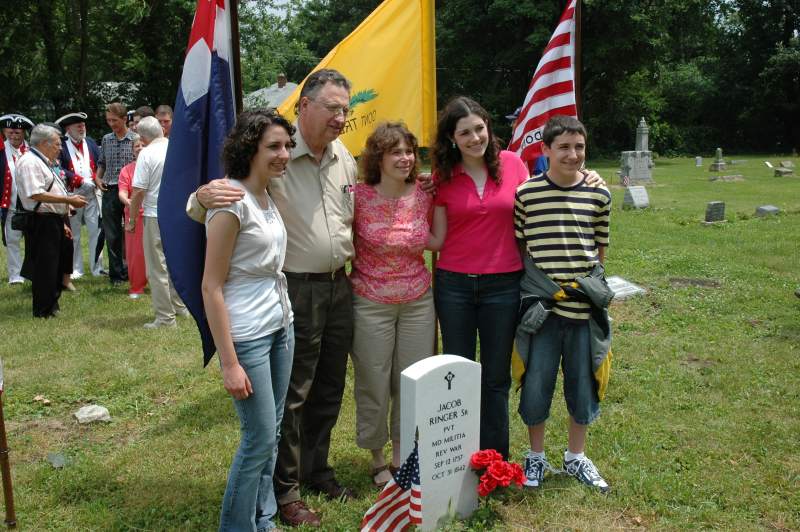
(146,184)
(48,240)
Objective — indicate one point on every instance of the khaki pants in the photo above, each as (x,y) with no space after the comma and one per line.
(164,297)
(387,338)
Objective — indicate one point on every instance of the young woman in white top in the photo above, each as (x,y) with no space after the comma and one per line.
(248,310)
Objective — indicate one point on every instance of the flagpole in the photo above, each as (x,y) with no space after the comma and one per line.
(578,57)
(235,56)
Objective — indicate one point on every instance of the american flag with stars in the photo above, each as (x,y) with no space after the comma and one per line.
(399,505)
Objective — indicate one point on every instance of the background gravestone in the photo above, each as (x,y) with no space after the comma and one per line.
(636,165)
(715,211)
(635,198)
(767,210)
(719,163)
(698,161)
(441,397)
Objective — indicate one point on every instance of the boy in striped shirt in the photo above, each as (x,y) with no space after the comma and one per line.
(562,224)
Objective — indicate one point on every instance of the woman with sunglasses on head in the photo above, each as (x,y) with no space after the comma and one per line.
(246,301)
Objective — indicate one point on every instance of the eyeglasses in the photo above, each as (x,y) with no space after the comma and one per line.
(334,109)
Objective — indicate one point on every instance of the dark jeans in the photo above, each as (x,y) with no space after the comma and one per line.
(112,228)
(486,305)
(48,256)
(323,330)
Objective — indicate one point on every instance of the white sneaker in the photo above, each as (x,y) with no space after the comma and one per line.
(17,280)
(134,296)
(158,324)
(585,471)
(76,275)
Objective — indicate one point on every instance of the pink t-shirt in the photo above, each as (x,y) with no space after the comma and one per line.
(125,182)
(480,231)
(390,237)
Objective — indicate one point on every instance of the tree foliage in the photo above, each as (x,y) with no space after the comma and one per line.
(703,73)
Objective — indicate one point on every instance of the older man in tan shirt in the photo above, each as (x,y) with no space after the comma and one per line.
(48,241)
(315,200)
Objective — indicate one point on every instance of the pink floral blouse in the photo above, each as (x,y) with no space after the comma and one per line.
(390,237)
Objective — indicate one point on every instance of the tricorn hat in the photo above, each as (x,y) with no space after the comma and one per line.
(16,121)
(71,118)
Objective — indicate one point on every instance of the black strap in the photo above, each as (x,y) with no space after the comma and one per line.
(20,208)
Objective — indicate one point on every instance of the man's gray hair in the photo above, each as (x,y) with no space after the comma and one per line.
(42,133)
(149,128)
(319,79)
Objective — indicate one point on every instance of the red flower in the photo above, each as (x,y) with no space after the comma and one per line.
(486,485)
(503,472)
(482,459)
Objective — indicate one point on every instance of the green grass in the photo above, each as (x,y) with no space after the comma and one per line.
(699,429)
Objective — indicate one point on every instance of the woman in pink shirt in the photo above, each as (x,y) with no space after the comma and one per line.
(134,250)
(393,309)
(479,266)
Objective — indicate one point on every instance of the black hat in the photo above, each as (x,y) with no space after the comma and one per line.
(71,118)
(16,121)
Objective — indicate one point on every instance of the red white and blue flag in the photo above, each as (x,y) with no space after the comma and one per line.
(552,89)
(204,113)
(399,505)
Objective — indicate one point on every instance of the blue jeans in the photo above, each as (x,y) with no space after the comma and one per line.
(249,502)
(487,305)
(568,342)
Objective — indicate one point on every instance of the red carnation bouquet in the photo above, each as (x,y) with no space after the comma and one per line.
(495,472)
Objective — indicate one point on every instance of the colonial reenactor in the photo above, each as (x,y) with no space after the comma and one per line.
(14,128)
(79,156)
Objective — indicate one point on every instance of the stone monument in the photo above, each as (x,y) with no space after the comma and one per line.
(715,212)
(440,400)
(636,165)
(719,163)
(636,198)
(767,210)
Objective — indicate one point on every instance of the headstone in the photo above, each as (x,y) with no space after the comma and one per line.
(726,178)
(767,210)
(636,165)
(698,161)
(623,289)
(642,134)
(719,163)
(440,398)
(636,198)
(769,164)
(715,211)
(90,413)
(783,172)
(787,164)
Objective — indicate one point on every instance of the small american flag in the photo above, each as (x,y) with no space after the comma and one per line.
(552,89)
(399,505)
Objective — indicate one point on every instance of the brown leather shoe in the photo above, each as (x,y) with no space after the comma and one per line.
(332,490)
(297,513)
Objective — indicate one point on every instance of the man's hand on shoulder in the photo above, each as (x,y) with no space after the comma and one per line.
(593,179)
(219,193)
(426,183)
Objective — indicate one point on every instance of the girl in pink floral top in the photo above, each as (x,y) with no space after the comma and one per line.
(392,301)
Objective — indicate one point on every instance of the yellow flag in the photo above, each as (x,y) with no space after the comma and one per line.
(390,59)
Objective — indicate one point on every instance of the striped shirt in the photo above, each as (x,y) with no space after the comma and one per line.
(562,229)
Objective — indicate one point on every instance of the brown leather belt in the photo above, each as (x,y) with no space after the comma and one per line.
(325,276)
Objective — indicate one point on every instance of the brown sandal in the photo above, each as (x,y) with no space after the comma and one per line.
(375,472)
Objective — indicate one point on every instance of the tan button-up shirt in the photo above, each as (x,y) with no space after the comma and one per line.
(33,176)
(316,204)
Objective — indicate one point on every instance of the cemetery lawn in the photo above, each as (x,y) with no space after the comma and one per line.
(699,428)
